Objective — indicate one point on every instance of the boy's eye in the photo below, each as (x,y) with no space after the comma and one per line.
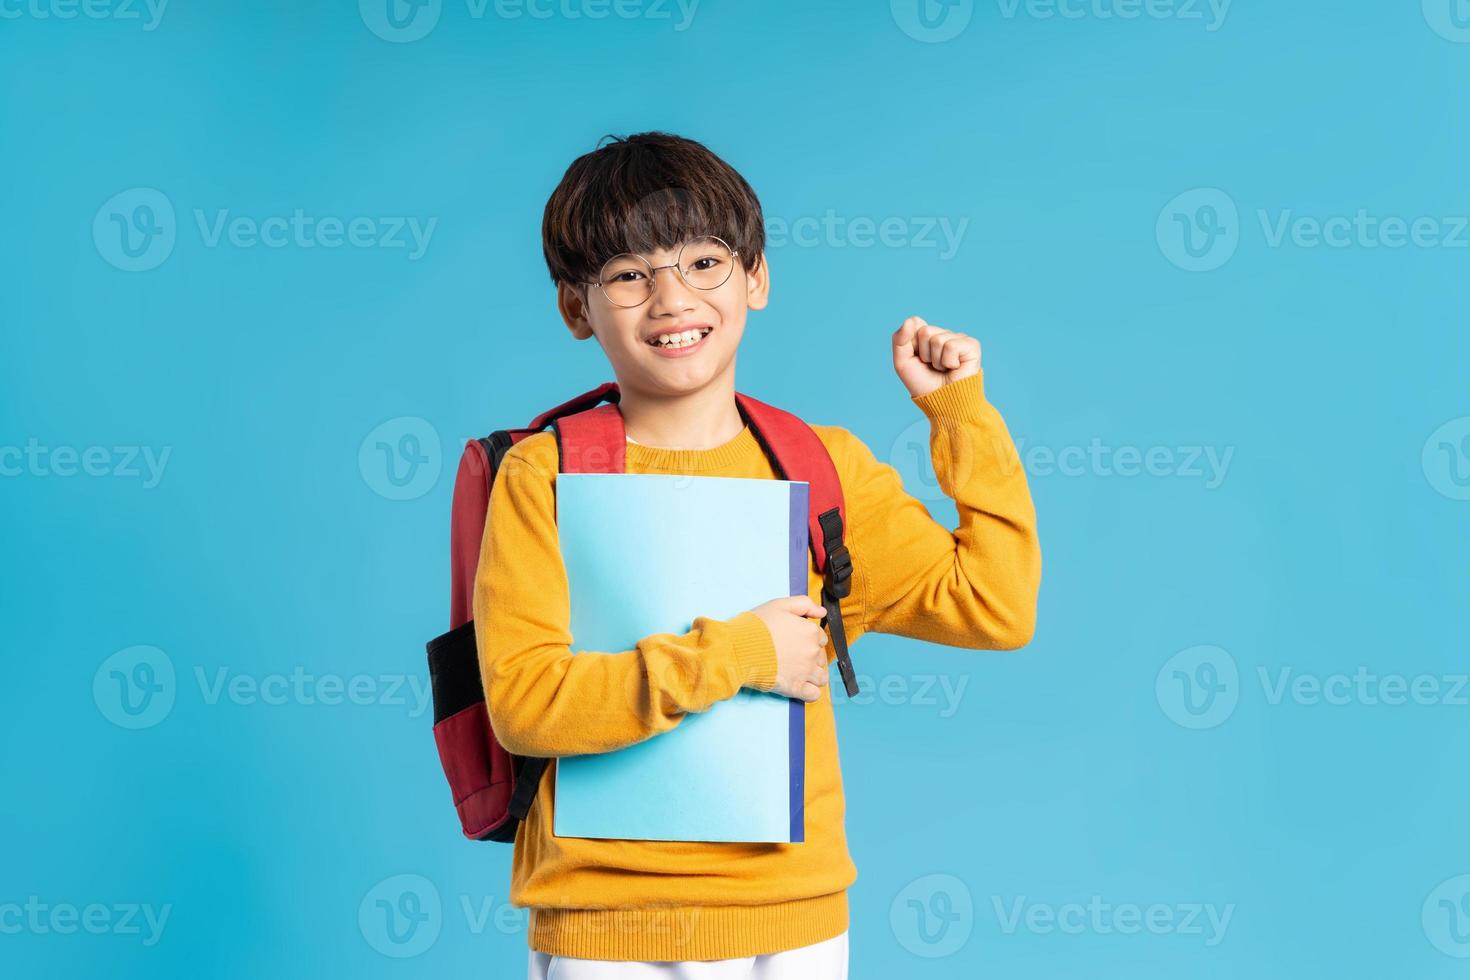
(705,263)
(625,275)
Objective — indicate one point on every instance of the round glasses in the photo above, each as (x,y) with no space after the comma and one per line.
(627,279)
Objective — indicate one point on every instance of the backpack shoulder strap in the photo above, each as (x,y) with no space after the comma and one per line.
(478,466)
(592,441)
(466,527)
(607,391)
(798,453)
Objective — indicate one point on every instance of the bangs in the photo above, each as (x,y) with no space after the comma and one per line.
(644,194)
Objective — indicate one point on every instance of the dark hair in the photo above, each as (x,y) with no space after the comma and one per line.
(645,192)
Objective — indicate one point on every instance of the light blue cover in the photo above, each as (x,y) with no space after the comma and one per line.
(645,554)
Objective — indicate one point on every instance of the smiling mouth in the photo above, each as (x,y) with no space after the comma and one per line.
(677,341)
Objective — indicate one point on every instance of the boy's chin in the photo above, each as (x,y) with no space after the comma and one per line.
(675,378)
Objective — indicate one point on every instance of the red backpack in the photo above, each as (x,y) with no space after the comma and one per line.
(492,788)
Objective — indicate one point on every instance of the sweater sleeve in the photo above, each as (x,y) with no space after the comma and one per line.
(975,587)
(544,701)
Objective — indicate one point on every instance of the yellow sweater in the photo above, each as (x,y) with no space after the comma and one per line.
(675,900)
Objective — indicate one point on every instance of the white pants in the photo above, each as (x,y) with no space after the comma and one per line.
(826,960)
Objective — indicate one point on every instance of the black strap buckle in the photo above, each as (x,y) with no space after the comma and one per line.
(836,586)
(839,572)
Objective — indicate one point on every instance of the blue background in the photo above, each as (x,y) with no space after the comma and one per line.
(273,541)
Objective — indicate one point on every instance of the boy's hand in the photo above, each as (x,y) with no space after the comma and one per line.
(928,357)
(801,645)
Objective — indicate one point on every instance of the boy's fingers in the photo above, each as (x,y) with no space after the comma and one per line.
(805,605)
(904,335)
(903,340)
(934,345)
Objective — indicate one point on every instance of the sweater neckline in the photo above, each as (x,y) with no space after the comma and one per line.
(655,458)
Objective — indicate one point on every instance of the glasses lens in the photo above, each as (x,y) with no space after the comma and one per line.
(706,263)
(626,280)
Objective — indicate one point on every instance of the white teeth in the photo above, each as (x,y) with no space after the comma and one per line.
(683,339)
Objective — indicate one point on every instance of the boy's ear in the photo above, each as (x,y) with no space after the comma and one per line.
(758,285)
(573,306)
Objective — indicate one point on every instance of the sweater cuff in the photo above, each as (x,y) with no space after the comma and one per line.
(959,400)
(755,651)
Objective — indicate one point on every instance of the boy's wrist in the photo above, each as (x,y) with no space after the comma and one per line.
(755,651)
(959,400)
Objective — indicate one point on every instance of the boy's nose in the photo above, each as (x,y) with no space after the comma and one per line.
(670,292)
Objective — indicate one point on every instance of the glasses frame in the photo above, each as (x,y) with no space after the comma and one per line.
(676,265)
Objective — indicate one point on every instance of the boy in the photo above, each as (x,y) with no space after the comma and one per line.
(657,249)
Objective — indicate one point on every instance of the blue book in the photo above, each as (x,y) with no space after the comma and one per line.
(646,553)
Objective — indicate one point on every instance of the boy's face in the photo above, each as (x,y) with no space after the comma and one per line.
(625,333)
